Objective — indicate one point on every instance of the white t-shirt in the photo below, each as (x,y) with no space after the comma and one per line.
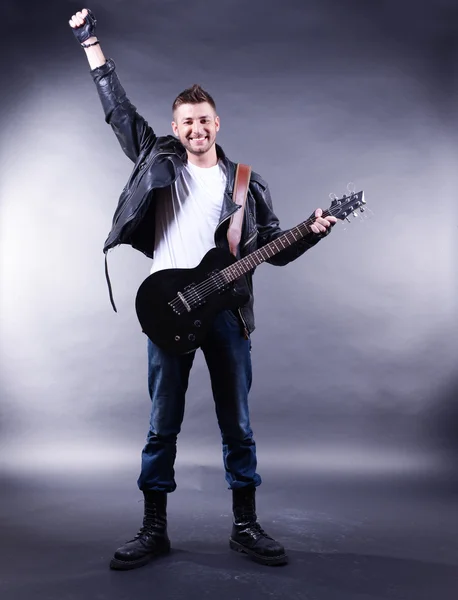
(187,214)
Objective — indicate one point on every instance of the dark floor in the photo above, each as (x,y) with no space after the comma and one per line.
(347,540)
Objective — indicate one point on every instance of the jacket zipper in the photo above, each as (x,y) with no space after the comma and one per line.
(246,333)
(225,219)
(250,239)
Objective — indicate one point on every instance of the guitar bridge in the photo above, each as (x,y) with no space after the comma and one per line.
(187,300)
(182,298)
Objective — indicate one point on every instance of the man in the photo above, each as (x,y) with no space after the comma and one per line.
(175,206)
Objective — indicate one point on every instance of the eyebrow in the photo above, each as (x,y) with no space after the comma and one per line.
(191,119)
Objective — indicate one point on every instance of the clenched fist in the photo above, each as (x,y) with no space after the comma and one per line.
(83,24)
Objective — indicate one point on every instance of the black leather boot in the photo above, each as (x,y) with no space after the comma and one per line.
(247,534)
(152,539)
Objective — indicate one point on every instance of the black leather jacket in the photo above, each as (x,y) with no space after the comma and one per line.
(157,163)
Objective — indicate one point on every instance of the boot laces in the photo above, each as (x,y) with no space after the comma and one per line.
(150,521)
(257,531)
(253,529)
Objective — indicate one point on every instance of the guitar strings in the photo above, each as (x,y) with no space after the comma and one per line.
(210,285)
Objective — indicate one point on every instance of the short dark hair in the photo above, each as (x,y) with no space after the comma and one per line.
(193,95)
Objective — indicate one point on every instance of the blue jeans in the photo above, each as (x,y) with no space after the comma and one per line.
(228,357)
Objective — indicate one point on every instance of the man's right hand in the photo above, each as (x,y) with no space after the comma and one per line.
(83,24)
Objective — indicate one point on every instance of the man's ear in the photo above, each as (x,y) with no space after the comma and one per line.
(174,128)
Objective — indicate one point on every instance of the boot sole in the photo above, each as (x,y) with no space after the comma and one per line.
(263,560)
(127,565)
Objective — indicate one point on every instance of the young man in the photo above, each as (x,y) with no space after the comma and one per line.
(175,206)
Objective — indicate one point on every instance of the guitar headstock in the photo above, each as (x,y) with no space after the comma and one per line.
(343,207)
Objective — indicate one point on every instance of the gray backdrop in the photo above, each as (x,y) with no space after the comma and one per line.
(355,348)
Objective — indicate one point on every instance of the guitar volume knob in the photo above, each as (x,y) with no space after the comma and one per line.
(197,323)
(191,337)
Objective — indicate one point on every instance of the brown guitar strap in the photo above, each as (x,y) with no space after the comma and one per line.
(241,184)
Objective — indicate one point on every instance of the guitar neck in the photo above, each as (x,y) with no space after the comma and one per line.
(259,256)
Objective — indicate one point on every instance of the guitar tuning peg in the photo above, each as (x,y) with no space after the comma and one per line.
(332,196)
(355,214)
(351,187)
(348,219)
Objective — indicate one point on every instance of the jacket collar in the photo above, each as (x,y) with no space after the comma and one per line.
(172,144)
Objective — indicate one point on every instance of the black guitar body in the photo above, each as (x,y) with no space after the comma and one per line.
(176,307)
(178,325)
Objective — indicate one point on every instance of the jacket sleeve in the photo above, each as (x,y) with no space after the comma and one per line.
(268,226)
(133,132)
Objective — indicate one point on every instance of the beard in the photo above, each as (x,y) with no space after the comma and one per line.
(198,148)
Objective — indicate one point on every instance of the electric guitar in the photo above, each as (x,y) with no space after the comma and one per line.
(176,307)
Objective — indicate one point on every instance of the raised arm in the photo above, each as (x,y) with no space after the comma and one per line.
(133,132)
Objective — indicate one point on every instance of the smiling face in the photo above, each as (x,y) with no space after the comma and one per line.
(196,126)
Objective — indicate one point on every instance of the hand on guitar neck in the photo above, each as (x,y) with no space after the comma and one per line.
(322,226)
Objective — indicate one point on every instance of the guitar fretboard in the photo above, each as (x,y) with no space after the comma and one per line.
(259,256)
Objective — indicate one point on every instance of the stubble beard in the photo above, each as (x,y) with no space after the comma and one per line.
(196,150)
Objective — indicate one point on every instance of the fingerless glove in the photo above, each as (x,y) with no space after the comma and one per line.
(87,30)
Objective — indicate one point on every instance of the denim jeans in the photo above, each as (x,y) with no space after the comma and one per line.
(228,357)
